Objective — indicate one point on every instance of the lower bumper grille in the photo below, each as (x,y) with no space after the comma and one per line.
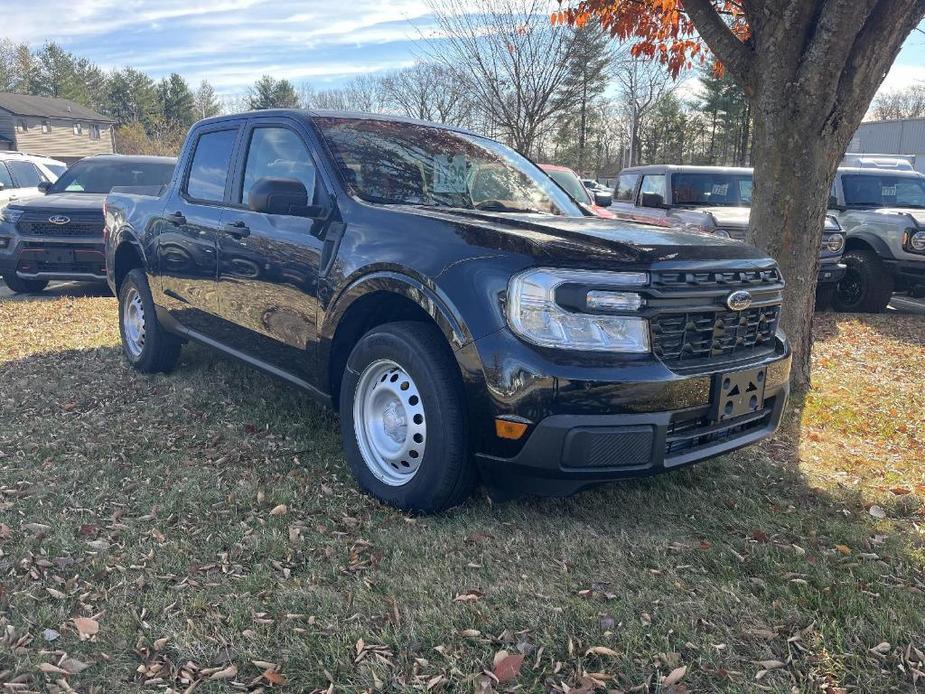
(690,337)
(685,435)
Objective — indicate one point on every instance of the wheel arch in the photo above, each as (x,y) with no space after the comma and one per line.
(377,299)
(866,240)
(126,257)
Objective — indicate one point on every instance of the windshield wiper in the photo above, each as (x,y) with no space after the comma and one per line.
(498,206)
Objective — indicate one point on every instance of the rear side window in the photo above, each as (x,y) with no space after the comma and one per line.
(25,173)
(626,185)
(278,153)
(209,171)
(653,185)
(5,179)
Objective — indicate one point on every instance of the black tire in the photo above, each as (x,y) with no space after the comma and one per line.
(445,475)
(21,286)
(159,349)
(866,287)
(824,295)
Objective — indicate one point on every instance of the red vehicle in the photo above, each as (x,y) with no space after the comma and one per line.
(597,204)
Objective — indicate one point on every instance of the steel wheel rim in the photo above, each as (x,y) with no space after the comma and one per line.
(133,323)
(389,421)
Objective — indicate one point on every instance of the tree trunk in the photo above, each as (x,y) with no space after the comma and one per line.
(788,224)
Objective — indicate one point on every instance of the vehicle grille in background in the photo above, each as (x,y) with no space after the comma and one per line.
(737,233)
(715,279)
(689,337)
(79,225)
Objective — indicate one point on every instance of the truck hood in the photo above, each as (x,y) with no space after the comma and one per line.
(916,214)
(62,202)
(590,242)
(727,216)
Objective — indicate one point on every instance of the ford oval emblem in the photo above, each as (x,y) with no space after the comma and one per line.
(59,219)
(739,301)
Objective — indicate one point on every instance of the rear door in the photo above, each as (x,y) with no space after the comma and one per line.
(624,195)
(186,232)
(269,264)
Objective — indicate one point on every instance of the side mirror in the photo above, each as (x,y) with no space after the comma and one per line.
(653,200)
(279,196)
(603,199)
(44,186)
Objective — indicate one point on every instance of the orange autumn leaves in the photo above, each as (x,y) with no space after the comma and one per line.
(659,29)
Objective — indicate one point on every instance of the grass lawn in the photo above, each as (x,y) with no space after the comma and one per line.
(199,532)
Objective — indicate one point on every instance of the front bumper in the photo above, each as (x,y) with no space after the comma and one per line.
(595,420)
(830,273)
(52,257)
(909,273)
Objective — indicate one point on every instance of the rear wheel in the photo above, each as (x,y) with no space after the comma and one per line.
(866,287)
(22,286)
(403,419)
(147,346)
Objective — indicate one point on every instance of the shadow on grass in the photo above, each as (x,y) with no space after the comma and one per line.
(56,290)
(741,552)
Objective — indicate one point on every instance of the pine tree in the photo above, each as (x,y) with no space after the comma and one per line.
(132,96)
(268,92)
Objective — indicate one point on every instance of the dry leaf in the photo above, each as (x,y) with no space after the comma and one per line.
(470,633)
(507,665)
(274,677)
(876,511)
(73,666)
(280,510)
(843,549)
(674,676)
(602,650)
(225,674)
(86,627)
(771,664)
(52,669)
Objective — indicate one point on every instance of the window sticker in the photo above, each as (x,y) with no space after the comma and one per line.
(720,188)
(450,173)
(888,191)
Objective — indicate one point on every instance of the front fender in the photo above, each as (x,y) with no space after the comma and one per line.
(428,296)
(116,243)
(873,239)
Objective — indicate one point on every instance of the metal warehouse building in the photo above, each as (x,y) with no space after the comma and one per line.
(904,136)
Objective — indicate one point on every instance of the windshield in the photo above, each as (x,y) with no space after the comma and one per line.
(711,189)
(572,184)
(883,190)
(100,175)
(392,162)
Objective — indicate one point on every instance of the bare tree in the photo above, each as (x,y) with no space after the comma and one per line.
(900,103)
(641,84)
(429,91)
(512,61)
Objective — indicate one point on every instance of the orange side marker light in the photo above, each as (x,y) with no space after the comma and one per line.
(506,429)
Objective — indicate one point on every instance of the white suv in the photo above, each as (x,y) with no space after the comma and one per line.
(21,174)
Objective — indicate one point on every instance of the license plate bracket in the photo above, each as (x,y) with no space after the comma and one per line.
(59,256)
(738,393)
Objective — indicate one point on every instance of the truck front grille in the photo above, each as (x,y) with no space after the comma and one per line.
(715,279)
(87,225)
(705,335)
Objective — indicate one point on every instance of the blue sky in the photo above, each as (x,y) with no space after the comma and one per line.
(232,42)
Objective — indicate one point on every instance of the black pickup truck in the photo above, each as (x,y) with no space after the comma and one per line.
(465,316)
(59,236)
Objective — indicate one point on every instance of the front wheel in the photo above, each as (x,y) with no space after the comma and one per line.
(20,286)
(403,419)
(147,346)
(866,287)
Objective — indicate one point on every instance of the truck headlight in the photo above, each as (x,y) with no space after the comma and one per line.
(835,243)
(722,233)
(917,241)
(535,314)
(8,216)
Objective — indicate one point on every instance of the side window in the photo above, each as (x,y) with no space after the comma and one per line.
(653,185)
(6,181)
(626,186)
(278,153)
(25,173)
(745,191)
(209,170)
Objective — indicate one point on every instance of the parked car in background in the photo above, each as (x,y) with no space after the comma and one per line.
(880,203)
(596,202)
(593,186)
(59,235)
(714,199)
(22,174)
(454,303)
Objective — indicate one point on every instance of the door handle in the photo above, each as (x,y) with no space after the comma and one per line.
(175,218)
(238,229)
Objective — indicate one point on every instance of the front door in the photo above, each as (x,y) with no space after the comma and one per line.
(186,233)
(652,188)
(269,263)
